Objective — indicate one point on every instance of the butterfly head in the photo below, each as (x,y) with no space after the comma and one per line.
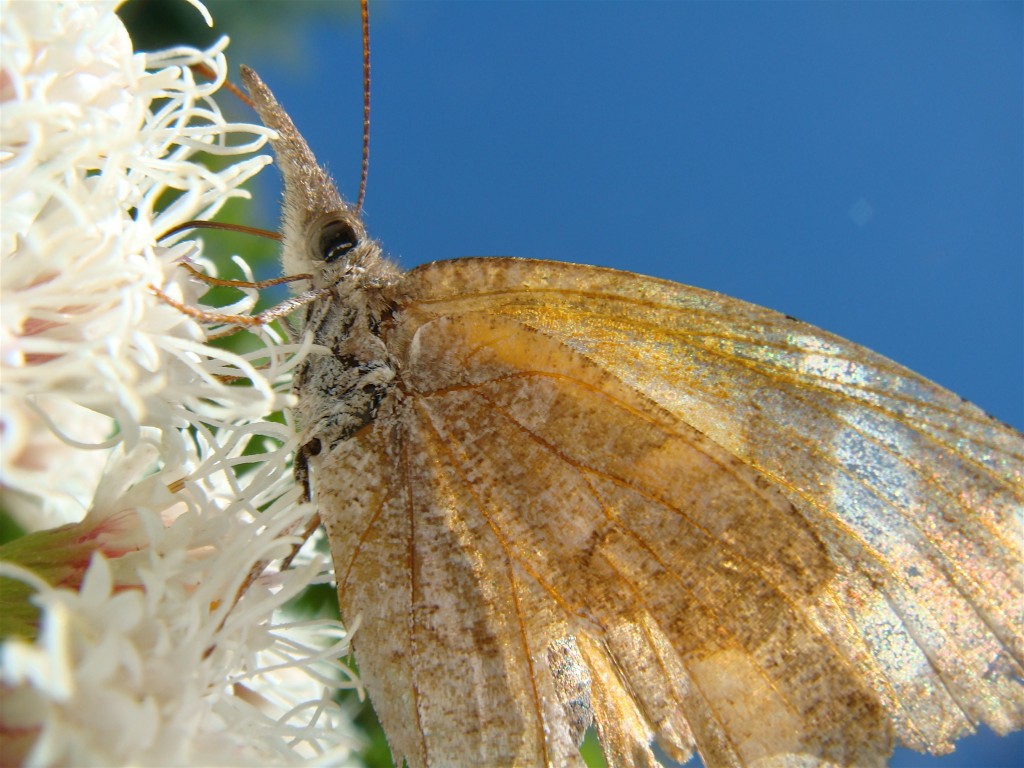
(323,235)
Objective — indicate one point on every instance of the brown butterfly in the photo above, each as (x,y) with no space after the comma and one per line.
(557,493)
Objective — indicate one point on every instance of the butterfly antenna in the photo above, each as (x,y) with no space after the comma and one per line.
(365,9)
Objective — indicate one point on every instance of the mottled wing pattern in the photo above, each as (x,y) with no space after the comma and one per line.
(768,542)
(451,632)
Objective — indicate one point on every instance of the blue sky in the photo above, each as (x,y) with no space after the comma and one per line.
(857,165)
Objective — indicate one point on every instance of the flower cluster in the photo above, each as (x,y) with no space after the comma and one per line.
(154,487)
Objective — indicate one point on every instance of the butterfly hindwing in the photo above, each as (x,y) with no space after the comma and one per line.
(450,630)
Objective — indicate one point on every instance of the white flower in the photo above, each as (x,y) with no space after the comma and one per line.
(149,659)
(146,636)
(92,136)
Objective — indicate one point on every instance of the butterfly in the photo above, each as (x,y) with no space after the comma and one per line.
(557,494)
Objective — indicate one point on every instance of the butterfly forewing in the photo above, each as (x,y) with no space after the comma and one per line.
(915,494)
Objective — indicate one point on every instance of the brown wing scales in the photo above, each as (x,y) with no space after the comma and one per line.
(822,528)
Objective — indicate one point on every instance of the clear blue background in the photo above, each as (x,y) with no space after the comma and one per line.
(857,165)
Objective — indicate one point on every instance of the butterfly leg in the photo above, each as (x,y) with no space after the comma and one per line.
(301,471)
(255,285)
(282,309)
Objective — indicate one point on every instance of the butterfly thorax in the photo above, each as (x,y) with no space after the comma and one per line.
(341,384)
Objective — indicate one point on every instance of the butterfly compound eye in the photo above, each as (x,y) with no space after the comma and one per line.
(337,240)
